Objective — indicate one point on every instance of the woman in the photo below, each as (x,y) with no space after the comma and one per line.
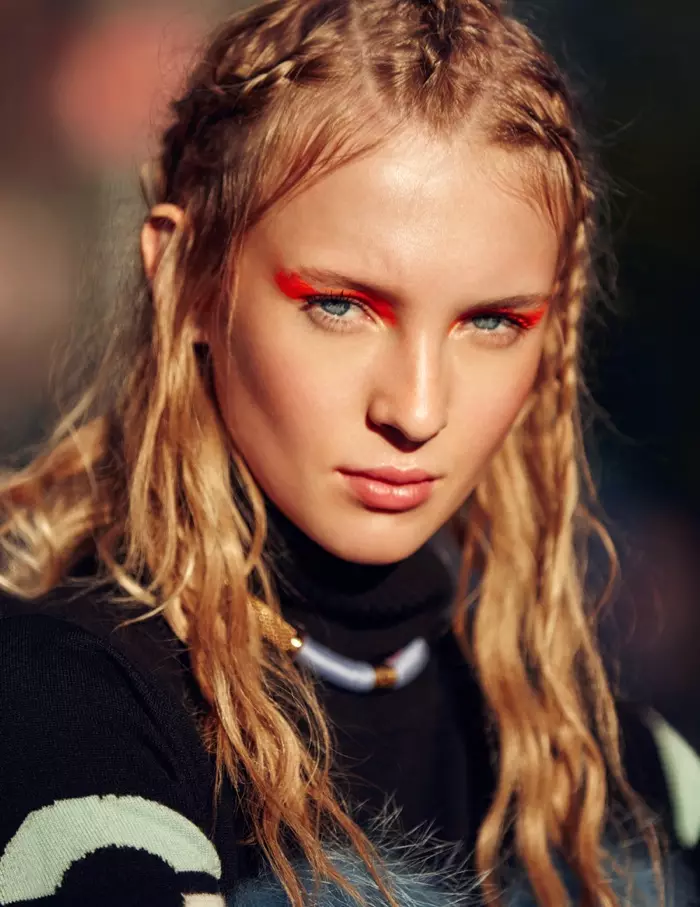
(365,266)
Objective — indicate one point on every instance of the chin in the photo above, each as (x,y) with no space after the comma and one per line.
(378,545)
(360,554)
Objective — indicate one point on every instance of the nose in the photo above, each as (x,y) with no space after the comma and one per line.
(410,396)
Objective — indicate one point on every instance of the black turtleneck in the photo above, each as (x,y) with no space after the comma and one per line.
(106,786)
(422,748)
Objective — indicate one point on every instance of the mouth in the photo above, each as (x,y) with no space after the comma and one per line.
(389,489)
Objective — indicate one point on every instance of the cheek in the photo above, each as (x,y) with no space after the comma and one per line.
(489,403)
(275,391)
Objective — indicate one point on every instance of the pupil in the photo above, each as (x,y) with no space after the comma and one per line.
(335,306)
(487,322)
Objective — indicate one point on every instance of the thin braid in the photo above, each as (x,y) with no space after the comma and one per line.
(445,24)
(254,57)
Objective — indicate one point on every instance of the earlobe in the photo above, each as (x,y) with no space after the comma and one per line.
(162,222)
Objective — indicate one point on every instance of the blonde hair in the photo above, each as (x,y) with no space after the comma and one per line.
(147,478)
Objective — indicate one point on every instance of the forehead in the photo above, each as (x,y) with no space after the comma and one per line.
(420,213)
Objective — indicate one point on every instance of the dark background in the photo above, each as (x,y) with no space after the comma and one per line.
(638,74)
(82,90)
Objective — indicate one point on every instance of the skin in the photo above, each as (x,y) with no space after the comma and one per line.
(437,228)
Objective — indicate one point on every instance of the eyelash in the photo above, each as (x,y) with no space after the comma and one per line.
(513,320)
(325,319)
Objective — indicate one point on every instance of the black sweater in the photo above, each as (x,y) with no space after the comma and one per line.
(106,788)
(107,791)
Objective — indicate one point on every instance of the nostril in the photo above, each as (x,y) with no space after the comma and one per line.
(397,438)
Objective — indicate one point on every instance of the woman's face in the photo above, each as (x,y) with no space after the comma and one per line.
(387,330)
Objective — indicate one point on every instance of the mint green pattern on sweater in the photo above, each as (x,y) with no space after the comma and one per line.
(52,838)
(682,766)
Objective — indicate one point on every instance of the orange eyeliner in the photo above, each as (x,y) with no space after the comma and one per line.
(528,320)
(294,287)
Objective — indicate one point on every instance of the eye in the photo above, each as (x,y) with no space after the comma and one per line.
(494,328)
(489,323)
(337,312)
(336,307)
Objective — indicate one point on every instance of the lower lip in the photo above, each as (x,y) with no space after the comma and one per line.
(378,495)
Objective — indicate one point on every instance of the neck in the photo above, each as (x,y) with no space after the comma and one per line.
(363,611)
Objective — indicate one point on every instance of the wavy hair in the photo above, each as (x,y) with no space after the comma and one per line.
(142,472)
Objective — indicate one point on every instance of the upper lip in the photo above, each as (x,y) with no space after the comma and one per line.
(393,475)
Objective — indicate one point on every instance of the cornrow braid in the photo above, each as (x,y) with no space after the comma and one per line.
(443,27)
(251,60)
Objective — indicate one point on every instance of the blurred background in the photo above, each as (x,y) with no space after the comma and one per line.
(83,90)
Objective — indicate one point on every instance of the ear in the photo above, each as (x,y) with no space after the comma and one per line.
(162,222)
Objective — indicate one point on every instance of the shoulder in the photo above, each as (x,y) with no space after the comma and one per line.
(106,788)
(82,600)
(47,653)
(56,658)
(67,695)
(77,693)
(87,619)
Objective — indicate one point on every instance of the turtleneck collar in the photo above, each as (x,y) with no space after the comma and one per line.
(359,610)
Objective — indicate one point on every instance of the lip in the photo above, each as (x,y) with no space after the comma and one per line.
(390,489)
(393,475)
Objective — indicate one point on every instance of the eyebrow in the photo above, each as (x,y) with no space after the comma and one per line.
(334,280)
